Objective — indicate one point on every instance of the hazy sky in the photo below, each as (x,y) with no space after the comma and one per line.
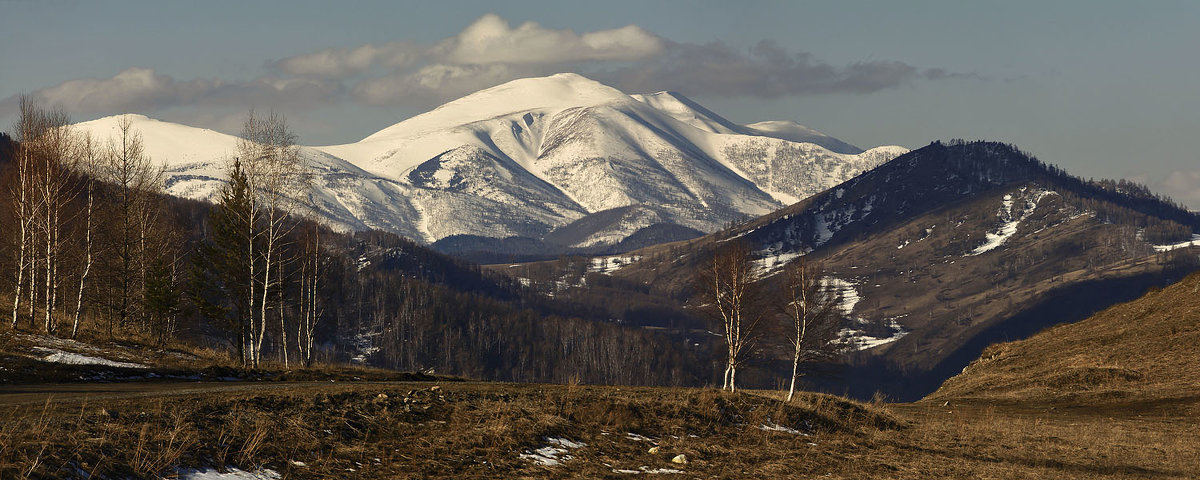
(1103,89)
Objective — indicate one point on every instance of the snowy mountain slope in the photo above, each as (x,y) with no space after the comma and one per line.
(792,131)
(685,110)
(528,156)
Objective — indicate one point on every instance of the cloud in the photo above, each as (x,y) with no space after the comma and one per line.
(434,84)
(347,62)
(490,51)
(766,70)
(142,89)
(486,53)
(491,40)
(1183,186)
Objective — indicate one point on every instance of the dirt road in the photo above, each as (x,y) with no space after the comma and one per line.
(11,395)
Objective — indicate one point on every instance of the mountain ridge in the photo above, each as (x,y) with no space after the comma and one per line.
(530,156)
(947,249)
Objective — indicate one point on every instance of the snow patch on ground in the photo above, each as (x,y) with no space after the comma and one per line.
(856,340)
(365,347)
(1011,221)
(647,470)
(231,473)
(773,263)
(55,355)
(774,427)
(552,454)
(1166,248)
(845,291)
(608,265)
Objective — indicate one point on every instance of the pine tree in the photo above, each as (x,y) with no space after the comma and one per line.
(220,284)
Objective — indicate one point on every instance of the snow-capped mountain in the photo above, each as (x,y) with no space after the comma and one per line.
(530,156)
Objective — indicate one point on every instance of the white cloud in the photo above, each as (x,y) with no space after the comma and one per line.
(486,53)
(434,84)
(346,62)
(490,39)
(1183,186)
(766,70)
(142,89)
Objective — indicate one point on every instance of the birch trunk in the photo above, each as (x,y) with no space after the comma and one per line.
(87,263)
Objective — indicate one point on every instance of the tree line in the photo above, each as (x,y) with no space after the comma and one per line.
(85,236)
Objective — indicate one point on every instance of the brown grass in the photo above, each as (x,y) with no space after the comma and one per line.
(1138,356)
(479,430)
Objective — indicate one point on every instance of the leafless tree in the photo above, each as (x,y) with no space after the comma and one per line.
(727,285)
(278,180)
(56,185)
(43,190)
(126,166)
(89,157)
(810,309)
(28,128)
(311,306)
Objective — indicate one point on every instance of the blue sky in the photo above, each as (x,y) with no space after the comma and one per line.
(1104,89)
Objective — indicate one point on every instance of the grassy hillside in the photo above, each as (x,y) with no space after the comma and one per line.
(1141,355)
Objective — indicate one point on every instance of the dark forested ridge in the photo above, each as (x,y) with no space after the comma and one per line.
(949,248)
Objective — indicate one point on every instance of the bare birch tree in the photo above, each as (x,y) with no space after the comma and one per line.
(90,160)
(809,306)
(29,126)
(278,180)
(311,306)
(42,190)
(727,285)
(56,191)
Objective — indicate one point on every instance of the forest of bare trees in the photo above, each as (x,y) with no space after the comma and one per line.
(93,245)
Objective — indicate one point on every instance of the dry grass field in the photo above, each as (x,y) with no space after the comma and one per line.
(490,430)
(1114,396)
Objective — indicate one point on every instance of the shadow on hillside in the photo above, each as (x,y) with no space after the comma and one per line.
(1063,305)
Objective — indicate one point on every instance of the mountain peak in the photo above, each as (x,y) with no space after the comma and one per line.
(553,93)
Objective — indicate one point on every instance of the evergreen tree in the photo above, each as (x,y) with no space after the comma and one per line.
(220,286)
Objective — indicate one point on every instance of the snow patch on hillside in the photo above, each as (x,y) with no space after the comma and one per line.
(608,265)
(1011,220)
(1166,248)
(552,454)
(231,473)
(55,355)
(364,346)
(770,264)
(856,339)
(853,338)
(845,292)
